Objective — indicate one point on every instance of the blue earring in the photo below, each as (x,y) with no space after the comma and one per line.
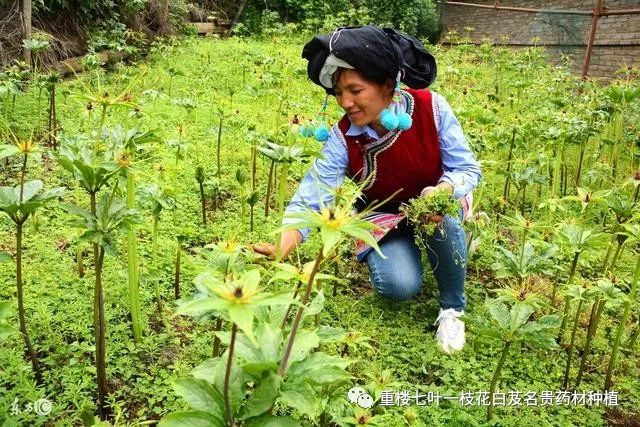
(321,132)
(389,119)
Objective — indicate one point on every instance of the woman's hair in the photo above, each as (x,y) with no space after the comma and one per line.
(338,73)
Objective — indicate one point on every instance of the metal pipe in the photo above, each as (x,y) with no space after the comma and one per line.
(620,12)
(518,9)
(592,35)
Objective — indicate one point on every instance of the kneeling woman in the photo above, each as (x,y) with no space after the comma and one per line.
(402,142)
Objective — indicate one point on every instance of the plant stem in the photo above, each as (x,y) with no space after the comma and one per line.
(505,192)
(100,333)
(219,145)
(269,185)
(336,273)
(576,319)
(176,279)
(625,316)
(594,320)
(216,340)
(282,190)
(23,171)
(21,317)
(202,203)
(132,265)
(227,376)
(296,322)
(567,304)
(605,264)
(496,377)
(154,253)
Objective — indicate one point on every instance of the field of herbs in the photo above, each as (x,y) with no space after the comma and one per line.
(129,294)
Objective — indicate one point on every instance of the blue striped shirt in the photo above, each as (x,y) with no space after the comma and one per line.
(459,165)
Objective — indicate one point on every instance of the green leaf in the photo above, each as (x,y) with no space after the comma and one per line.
(5,257)
(30,189)
(8,150)
(242,316)
(305,342)
(316,305)
(200,395)
(330,238)
(192,419)
(321,369)
(263,397)
(520,313)
(500,313)
(6,331)
(329,334)
(5,309)
(272,421)
(300,396)
(206,370)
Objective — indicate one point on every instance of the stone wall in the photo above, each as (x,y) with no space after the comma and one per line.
(617,40)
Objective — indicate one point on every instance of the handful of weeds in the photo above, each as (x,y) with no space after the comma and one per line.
(421,208)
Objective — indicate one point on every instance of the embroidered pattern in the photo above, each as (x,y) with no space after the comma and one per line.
(336,130)
(382,144)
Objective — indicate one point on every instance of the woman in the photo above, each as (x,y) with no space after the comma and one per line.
(404,144)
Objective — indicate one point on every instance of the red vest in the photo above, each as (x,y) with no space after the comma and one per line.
(400,160)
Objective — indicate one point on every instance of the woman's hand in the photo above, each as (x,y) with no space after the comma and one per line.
(266,249)
(427,192)
(289,240)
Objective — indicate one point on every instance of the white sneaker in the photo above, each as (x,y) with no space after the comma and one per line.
(450,334)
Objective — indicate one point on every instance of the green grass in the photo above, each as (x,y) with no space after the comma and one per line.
(59,304)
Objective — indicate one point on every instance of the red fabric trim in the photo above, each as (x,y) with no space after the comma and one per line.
(410,163)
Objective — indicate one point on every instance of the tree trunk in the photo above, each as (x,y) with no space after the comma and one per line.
(237,17)
(26,17)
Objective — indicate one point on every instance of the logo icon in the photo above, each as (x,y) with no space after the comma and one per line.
(360,397)
(42,407)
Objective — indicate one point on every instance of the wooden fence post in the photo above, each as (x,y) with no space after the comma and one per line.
(597,10)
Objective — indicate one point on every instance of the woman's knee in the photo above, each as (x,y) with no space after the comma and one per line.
(398,285)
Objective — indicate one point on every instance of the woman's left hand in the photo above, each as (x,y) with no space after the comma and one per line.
(427,192)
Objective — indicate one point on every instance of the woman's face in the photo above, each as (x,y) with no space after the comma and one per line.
(363,100)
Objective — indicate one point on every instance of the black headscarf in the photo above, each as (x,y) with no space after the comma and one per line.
(378,53)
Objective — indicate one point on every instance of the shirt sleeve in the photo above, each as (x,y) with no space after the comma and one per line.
(461,169)
(325,175)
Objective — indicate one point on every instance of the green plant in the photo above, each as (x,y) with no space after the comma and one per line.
(102,224)
(334,223)
(5,330)
(633,232)
(606,293)
(37,46)
(99,97)
(200,178)
(580,294)
(420,209)
(577,239)
(157,200)
(235,300)
(19,203)
(511,325)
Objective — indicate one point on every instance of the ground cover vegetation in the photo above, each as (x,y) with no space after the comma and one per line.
(129,294)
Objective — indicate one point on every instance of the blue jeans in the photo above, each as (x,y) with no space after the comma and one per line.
(399,276)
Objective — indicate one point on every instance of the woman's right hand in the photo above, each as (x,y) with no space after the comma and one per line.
(266,249)
(289,240)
